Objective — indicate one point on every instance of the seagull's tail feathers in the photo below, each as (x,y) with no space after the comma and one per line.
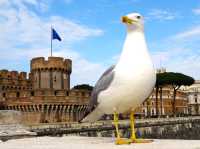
(95,115)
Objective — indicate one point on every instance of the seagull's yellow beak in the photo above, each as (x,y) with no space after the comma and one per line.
(127,20)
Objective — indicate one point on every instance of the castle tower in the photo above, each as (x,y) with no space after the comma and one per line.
(53,73)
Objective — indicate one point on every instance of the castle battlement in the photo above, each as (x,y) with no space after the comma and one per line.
(45,95)
(53,73)
(13,75)
(53,63)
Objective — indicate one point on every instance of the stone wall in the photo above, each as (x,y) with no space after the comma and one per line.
(10,117)
(172,128)
(189,131)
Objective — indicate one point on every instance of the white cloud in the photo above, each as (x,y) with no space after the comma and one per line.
(196,11)
(159,58)
(178,60)
(83,70)
(162,15)
(189,65)
(180,52)
(190,33)
(25,35)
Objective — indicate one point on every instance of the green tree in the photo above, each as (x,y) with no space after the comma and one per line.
(176,80)
(160,83)
(83,86)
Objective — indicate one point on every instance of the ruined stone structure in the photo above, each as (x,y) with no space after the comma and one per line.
(45,96)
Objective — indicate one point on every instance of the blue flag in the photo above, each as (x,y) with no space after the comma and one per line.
(55,35)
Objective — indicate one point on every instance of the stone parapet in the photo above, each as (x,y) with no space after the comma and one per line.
(12,75)
(39,63)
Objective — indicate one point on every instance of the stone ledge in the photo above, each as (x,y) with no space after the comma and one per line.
(67,128)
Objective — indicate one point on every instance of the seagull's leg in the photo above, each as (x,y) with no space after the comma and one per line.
(132,123)
(133,136)
(119,140)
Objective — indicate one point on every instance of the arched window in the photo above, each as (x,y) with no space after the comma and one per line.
(83,93)
(195,99)
(18,94)
(152,112)
(4,94)
(32,93)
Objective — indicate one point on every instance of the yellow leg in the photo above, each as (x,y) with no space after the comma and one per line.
(133,137)
(119,141)
(132,123)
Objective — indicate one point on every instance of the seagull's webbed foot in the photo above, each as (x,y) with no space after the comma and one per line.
(133,138)
(119,140)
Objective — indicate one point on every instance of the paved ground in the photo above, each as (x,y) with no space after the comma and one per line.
(75,142)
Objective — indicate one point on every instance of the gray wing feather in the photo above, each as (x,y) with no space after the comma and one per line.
(102,84)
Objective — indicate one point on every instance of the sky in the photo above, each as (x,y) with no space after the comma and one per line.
(93,35)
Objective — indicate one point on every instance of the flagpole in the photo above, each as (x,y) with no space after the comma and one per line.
(51,40)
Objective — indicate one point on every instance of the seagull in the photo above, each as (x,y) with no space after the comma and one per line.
(126,85)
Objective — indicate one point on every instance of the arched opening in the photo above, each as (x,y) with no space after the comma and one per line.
(83,93)
(32,93)
(4,94)
(18,94)
(54,79)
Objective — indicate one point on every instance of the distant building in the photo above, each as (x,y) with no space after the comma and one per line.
(165,105)
(44,96)
(148,108)
(193,95)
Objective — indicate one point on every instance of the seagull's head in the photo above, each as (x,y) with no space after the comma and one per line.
(134,21)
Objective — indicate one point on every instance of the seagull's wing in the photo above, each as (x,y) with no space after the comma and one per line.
(102,84)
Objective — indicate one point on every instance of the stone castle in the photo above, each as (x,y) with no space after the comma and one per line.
(45,95)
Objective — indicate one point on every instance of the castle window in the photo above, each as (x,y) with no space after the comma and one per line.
(90,93)
(152,112)
(18,94)
(55,93)
(67,93)
(4,94)
(32,93)
(195,99)
(83,94)
(54,78)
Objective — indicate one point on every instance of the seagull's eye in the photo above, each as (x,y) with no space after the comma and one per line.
(138,17)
